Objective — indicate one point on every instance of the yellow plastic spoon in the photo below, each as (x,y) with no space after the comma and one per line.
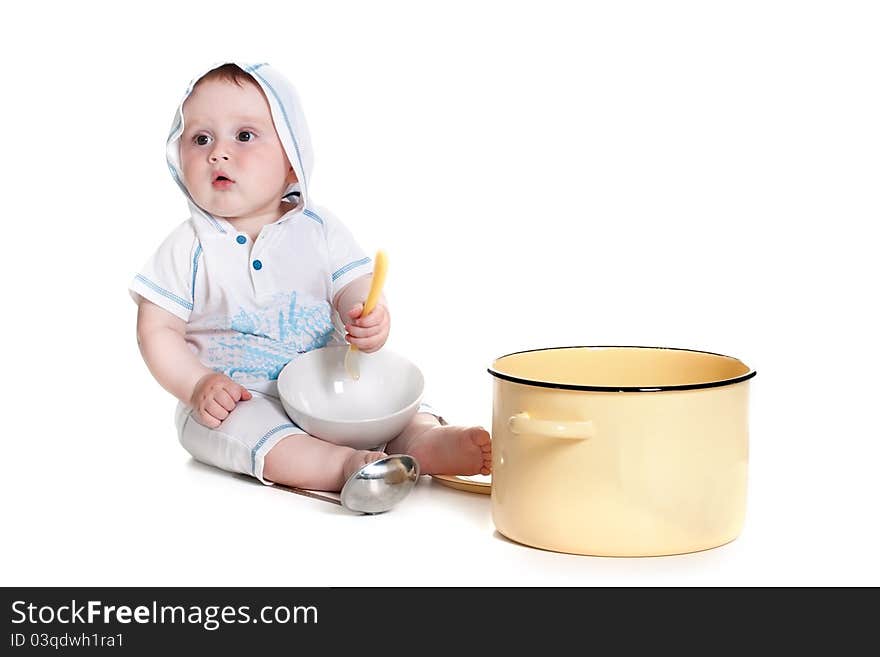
(380,268)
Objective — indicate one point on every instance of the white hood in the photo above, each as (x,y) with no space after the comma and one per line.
(290,124)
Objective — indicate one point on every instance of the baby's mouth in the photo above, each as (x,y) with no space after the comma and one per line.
(222,182)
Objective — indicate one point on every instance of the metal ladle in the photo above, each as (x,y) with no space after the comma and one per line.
(375,487)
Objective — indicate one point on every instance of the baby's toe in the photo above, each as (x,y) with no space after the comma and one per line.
(480,437)
(359,459)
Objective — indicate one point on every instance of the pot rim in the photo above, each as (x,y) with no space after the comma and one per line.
(570,386)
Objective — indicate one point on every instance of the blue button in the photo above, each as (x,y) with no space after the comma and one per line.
(241,239)
(258,264)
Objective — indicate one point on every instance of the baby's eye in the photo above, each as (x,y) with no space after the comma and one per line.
(245,135)
(202,140)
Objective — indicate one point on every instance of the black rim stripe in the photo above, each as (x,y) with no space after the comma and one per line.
(568,386)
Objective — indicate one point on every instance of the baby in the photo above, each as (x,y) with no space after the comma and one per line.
(256,276)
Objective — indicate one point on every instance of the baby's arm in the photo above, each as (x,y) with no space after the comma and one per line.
(367,333)
(162,341)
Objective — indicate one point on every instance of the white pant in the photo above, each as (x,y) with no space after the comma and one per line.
(243,439)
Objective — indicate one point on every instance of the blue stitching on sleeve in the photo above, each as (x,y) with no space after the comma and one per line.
(263,440)
(349,267)
(165,293)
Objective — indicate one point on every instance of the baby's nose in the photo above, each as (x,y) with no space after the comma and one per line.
(219,152)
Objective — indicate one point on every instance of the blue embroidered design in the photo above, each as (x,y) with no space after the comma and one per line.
(264,341)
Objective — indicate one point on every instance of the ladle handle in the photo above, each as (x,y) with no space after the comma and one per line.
(308,493)
(524,424)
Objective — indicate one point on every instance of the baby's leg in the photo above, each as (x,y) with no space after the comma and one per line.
(307,462)
(444,449)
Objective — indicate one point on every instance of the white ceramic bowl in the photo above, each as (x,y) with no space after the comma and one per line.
(320,396)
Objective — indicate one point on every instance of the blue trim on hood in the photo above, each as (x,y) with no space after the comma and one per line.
(177,179)
(252,71)
(196,270)
(312,215)
(174,129)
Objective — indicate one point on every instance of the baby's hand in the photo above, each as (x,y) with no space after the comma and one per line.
(368,333)
(214,397)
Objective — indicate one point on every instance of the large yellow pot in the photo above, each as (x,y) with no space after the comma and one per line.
(619,451)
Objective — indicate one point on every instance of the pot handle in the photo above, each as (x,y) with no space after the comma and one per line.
(522,423)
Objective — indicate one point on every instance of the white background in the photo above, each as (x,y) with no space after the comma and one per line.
(688,174)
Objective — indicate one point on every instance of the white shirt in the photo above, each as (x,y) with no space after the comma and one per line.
(251,307)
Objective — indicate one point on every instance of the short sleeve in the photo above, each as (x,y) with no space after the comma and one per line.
(347,259)
(168,277)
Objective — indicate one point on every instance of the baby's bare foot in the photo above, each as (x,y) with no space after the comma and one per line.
(359,459)
(453,450)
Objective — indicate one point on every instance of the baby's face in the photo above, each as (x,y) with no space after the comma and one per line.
(228,132)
